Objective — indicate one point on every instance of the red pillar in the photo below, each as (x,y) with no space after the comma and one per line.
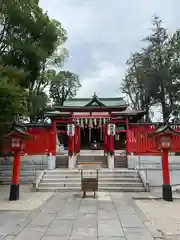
(105,139)
(14,190)
(167,189)
(79,138)
(70,145)
(111,144)
(75,139)
(165,167)
(54,139)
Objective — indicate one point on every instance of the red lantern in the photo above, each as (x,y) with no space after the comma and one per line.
(165,141)
(17,143)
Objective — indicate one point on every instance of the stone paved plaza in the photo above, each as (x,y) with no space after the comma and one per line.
(66,216)
(111,216)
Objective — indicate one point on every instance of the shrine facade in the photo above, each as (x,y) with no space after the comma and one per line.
(91,117)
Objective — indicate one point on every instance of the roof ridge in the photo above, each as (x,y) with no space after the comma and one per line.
(103,98)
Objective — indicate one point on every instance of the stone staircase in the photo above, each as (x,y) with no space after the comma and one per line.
(121,180)
(92,160)
(120,161)
(28,172)
(61,161)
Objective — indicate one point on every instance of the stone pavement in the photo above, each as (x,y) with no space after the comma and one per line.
(29,199)
(163,216)
(66,216)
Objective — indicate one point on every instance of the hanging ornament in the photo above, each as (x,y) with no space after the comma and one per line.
(104,121)
(77,121)
(82,123)
(90,123)
(99,123)
(95,122)
(86,122)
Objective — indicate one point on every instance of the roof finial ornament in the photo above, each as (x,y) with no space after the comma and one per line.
(95,94)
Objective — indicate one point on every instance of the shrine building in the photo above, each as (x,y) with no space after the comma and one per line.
(91,117)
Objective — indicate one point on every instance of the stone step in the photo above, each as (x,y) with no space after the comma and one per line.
(47,179)
(8,169)
(104,170)
(75,189)
(89,157)
(109,180)
(21,181)
(22,173)
(100,175)
(100,184)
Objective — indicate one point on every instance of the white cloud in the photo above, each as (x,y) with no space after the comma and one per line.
(104,81)
(102,34)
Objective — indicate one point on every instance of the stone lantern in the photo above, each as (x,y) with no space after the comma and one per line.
(163,137)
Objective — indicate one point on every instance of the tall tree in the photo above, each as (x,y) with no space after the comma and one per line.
(136,84)
(155,73)
(47,73)
(64,86)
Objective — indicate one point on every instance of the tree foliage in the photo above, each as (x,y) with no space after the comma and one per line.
(152,76)
(29,42)
(63,86)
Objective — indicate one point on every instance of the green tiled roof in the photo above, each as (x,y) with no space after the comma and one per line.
(81,102)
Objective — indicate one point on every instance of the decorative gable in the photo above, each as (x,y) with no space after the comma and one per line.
(95,102)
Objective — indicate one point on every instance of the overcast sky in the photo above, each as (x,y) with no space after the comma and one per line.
(103,33)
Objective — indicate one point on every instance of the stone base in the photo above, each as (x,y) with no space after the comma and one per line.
(72,162)
(167,193)
(51,162)
(110,161)
(14,192)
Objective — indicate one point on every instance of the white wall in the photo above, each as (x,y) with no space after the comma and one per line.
(151,161)
(154,169)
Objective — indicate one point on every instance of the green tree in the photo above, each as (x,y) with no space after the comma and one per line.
(28,40)
(137,85)
(47,73)
(27,37)
(64,86)
(153,73)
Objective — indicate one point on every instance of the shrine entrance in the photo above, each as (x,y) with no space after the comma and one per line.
(90,135)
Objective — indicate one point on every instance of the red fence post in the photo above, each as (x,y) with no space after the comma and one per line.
(79,138)
(127,136)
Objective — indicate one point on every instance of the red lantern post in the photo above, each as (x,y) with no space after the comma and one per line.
(17,137)
(163,137)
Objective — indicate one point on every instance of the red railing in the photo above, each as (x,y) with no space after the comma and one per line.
(42,143)
(139,142)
